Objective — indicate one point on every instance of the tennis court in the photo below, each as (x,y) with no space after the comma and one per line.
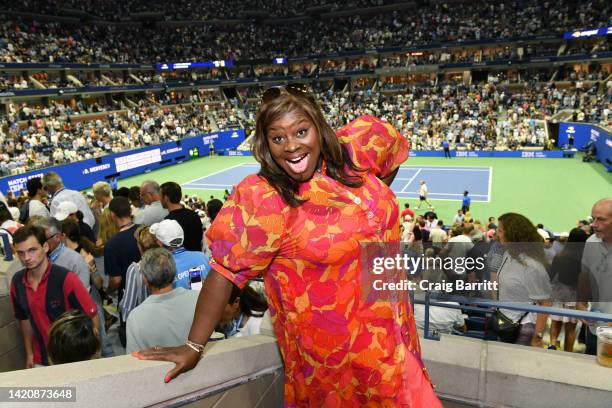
(443,182)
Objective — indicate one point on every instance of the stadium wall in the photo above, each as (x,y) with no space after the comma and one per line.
(457,153)
(82,174)
(584,133)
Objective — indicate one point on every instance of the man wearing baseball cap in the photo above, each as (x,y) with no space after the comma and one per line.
(169,235)
(68,209)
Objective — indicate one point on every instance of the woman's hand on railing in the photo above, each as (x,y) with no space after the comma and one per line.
(184,357)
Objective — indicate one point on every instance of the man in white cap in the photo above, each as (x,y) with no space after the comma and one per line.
(68,209)
(189,264)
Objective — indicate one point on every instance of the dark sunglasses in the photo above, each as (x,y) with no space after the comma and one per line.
(292,89)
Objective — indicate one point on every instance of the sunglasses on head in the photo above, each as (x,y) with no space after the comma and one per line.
(292,89)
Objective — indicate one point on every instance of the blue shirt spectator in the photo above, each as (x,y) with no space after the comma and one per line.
(169,235)
(189,262)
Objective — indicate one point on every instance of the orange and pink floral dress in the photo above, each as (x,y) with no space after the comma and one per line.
(339,348)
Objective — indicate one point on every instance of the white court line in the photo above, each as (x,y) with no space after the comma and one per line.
(206,184)
(212,174)
(442,194)
(490,182)
(451,169)
(204,188)
(459,194)
(411,180)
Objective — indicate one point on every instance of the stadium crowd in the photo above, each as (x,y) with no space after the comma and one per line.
(476,117)
(53,139)
(22,41)
(184,10)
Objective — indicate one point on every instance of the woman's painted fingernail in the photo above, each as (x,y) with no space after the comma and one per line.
(167,379)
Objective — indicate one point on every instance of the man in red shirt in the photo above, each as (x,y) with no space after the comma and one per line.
(407,211)
(41,292)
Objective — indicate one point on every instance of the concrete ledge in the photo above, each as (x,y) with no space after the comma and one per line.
(509,375)
(247,372)
(128,382)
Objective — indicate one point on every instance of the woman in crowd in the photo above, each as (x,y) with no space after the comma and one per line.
(108,228)
(523,276)
(566,268)
(135,288)
(243,314)
(81,244)
(300,223)
(88,250)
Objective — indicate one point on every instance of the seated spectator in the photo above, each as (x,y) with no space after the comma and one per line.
(441,319)
(169,235)
(61,286)
(165,317)
(243,313)
(73,338)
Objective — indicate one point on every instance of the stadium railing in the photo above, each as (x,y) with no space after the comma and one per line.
(488,306)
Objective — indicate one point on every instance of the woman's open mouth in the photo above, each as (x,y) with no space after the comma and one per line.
(298,164)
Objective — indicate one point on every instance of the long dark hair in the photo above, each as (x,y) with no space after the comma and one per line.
(71,229)
(566,265)
(340,167)
(252,303)
(522,237)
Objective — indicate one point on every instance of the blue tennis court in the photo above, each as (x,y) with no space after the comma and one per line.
(444,182)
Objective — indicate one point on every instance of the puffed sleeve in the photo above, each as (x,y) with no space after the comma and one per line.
(374,144)
(246,234)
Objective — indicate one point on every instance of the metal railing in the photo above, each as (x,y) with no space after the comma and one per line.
(488,306)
